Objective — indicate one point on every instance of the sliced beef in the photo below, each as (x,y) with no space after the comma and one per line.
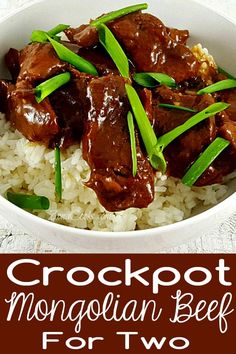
(4,86)
(97,56)
(179,36)
(12,60)
(100,59)
(38,62)
(106,147)
(36,121)
(226,128)
(70,103)
(84,36)
(151,49)
(149,44)
(181,153)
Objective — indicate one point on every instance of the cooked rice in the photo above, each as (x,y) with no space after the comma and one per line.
(29,167)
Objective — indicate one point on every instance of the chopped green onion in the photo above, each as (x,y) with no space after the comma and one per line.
(114,49)
(47,87)
(133,143)
(30,202)
(58,29)
(218,86)
(210,111)
(119,13)
(224,72)
(204,161)
(41,36)
(171,106)
(70,57)
(58,178)
(152,80)
(148,135)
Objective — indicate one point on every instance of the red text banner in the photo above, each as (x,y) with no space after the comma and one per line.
(117,303)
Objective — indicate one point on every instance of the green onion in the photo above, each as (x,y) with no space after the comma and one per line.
(148,135)
(152,80)
(218,86)
(171,106)
(204,161)
(119,13)
(70,57)
(58,29)
(133,143)
(47,87)
(224,72)
(30,202)
(210,111)
(58,178)
(41,36)
(114,49)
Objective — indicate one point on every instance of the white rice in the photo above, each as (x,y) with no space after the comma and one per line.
(29,167)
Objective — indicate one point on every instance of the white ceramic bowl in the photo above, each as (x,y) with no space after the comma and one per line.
(207,27)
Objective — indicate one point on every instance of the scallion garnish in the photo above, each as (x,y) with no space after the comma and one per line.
(133,143)
(218,86)
(204,161)
(58,29)
(41,36)
(172,106)
(29,202)
(208,112)
(72,58)
(119,13)
(227,74)
(148,135)
(58,178)
(47,87)
(152,80)
(114,49)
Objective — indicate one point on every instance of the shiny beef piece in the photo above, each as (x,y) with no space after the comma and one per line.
(106,148)
(12,60)
(149,44)
(179,36)
(39,62)
(84,36)
(151,49)
(97,56)
(71,107)
(226,128)
(100,59)
(4,86)
(181,153)
(36,121)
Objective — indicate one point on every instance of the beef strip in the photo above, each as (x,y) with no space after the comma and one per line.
(151,49)
(4,86)
(36,121)
(12,60)
(149,44)
(84,36)
(181,153)
(97,56)
(100,59)
(226,126)
(38,62)
(179,36)
(106,148)
(71,107)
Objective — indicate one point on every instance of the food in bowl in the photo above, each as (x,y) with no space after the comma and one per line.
(140,127)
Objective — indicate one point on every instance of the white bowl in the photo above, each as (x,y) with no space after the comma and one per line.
(214,31)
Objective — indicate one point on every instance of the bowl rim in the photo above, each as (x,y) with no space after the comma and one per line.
(120,235)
